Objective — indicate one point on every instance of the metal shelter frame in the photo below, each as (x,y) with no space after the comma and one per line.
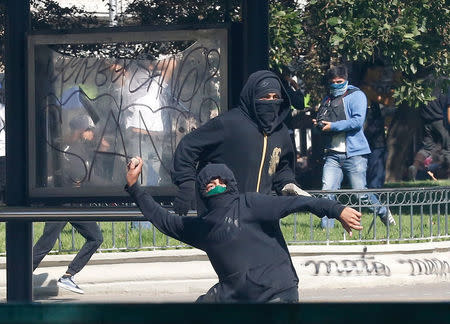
(250,40)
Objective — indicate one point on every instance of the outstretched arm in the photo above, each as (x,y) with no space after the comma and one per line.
(167,223)
(270,208)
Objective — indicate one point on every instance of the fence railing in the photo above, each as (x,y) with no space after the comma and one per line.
(421,214)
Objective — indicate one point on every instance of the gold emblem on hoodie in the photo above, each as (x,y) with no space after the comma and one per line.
(274,160)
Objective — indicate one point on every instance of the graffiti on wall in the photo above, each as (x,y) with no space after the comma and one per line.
(365,265)
(432,266)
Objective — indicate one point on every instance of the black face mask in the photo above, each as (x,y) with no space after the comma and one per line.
(267,112)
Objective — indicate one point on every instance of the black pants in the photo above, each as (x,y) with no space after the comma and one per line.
(435,133)
(288,296)
(376,168)
(89,230)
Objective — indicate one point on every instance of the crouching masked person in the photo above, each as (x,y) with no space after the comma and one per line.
(251,259)
(250,139)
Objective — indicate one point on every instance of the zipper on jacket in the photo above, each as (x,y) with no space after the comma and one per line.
(262,161)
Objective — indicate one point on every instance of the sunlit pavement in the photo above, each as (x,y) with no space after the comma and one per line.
(408,272)
(418,293)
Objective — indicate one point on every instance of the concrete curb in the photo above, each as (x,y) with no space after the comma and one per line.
(190,254)
(404,248)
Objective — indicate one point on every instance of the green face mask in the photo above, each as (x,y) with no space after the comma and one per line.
(216,190)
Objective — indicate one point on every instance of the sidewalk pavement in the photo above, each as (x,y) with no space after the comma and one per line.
(188,271)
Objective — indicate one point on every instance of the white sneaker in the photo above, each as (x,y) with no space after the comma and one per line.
(69,284)
(388,218)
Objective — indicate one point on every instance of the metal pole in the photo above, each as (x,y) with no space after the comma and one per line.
(19,267)
(112,12)
(18,233)
(255,16)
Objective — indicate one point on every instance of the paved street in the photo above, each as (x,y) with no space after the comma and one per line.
(438,292)
(417,293)
(394,273)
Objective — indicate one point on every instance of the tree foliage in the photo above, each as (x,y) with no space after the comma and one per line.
(411,36)
(48,14)
(285,30)
(172,12)
(154,12)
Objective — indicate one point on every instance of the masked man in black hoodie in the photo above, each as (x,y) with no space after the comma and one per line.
(250,139)
(251,259)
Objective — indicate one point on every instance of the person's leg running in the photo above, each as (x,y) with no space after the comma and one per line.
(94,238)
(331,180)
(355,167)
(46,242)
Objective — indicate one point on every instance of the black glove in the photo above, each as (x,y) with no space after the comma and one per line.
(185,199)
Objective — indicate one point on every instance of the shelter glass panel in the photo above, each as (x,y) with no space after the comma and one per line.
(96,105)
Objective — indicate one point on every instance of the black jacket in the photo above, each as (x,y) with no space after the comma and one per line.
(374,127)
(236,139)
(436,109)
(248,253)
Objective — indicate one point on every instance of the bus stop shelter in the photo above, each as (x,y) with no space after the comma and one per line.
(249,54)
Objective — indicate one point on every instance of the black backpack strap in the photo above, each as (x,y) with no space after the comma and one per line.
(350,91)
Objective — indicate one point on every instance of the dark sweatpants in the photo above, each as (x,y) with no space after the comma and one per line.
(376,168)
(436,133)
(287,296)
(89,230)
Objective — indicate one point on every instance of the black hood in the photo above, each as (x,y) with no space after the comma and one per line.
(248,97)
(212,171)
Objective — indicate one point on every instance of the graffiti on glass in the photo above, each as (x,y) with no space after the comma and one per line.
(94,114)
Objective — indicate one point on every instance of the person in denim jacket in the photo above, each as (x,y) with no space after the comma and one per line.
(345,145)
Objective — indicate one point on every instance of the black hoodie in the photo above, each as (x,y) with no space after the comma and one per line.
(436,109)
(260,160)
(251,259)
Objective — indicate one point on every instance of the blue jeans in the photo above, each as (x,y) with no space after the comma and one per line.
(338,164)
